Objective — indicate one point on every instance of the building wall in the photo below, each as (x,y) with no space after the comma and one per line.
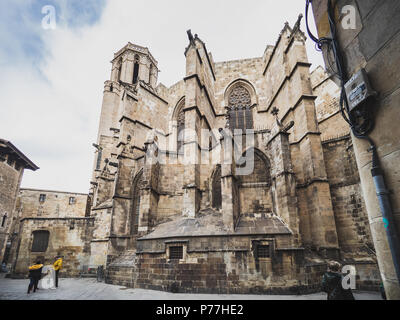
(10,180)
(68,224)
(69,237)
(305,191)
(206,268)
(56,204)
(374,45)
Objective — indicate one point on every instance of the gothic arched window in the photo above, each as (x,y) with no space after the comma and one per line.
(119,69)
(150,72)
(216,189)
(136,70)
(180,122)
(240,114)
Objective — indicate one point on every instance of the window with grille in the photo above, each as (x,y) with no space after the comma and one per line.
(72,200)
(263,251)
(40,241)
(176,253)
(42,198)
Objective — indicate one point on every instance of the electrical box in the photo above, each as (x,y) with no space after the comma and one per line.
(358,89)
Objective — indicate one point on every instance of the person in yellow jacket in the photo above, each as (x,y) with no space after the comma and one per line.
(57,267)
(35,273)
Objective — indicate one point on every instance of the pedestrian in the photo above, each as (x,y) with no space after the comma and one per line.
(57,267)
(332,283)
(35,273)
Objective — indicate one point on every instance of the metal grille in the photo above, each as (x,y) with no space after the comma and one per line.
(40,241)
(263,252)
(176,253)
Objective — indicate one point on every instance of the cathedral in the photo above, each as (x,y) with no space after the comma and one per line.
(240,178)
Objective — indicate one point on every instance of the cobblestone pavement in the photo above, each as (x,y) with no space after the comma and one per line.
(90,289)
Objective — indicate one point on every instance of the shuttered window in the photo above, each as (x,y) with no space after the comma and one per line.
(40,241)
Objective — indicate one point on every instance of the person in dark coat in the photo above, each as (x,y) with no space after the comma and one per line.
(332,283)
(35,273)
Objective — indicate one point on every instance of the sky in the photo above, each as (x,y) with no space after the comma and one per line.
(52,80)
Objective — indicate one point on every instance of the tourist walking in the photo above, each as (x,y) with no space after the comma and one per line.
(35,273)
(332,283)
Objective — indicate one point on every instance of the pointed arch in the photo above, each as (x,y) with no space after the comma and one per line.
(119,72)
(241,83)
(262,167)
(136,197)
(136,67)
(240,98)
(178,117)
(216,189)
(255,188)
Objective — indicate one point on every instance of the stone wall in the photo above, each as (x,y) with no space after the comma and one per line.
(65,216)
(10,179)
(207,268)
(56,204)
(69,237)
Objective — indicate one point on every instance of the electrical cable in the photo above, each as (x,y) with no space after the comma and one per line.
(360,130)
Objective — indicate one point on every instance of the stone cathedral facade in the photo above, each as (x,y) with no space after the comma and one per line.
(171,213)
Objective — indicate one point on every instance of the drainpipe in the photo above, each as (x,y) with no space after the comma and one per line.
(387,213)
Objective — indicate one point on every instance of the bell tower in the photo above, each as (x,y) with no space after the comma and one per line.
(134,63)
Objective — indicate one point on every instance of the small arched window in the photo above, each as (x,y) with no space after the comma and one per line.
(40,241)
(136,70)
(216,189)
(180,125)
(240,113)
(150,72)
(119,69)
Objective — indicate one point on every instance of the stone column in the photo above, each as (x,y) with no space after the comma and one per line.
(191,179)
(229,191)
(285,184)
(149,194)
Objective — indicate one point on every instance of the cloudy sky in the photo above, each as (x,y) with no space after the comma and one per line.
(51,80)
